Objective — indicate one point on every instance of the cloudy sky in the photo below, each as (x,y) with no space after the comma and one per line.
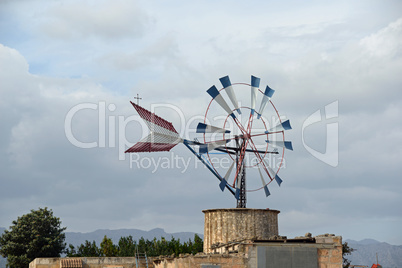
(68,70)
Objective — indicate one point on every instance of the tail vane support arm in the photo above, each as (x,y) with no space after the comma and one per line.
(187,144)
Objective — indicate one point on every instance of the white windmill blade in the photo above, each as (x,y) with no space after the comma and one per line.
(255,84)
(223,183)
(283,144)
(269,92)
(204,148)
(204,128)
(227,85)
(273,174)
(158,137)
(229,171)
(267,193)
(280,127)
(214,93)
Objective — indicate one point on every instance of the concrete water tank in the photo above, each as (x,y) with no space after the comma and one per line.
(233,224)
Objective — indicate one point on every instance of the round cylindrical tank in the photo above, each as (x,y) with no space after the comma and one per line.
(233,224)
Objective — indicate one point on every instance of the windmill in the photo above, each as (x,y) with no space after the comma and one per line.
(243,131)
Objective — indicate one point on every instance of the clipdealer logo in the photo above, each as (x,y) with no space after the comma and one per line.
(115,128)
(330,156)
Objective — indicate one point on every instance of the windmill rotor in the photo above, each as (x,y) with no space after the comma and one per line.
(252,141)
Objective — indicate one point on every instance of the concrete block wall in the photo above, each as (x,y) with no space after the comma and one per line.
(330,251)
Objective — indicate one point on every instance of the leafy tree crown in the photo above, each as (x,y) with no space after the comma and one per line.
(33,235)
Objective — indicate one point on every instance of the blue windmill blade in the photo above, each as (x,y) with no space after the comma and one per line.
(280,127)
(276,177)
(237,194)
(223,182)
(278,180)
(283,144)
(214,93)
(227,85)
(273,174)
(269,92)
(267,193)
(206,147)
(204,128)
(255,84)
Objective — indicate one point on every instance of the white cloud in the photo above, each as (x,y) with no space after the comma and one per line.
(386,43)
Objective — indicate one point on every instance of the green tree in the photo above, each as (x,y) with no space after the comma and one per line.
(346,250)
(107,248)
(33,235)
(126,247)
(87,249)
(198,245)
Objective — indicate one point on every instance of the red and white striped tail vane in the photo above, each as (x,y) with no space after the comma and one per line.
(162,137)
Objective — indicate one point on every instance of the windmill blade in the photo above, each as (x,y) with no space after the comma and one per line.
(273,174)
(214,93)
(204,128)
(204,148)
(237,194)
(267,193)
(269,92)
(283,144)
(227,85)
(223,183)
(233,150)
(280,127)
(277,178)
(255,84)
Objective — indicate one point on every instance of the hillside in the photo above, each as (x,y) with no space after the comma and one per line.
(365,253)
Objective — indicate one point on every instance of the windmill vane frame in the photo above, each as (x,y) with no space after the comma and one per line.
(163,137)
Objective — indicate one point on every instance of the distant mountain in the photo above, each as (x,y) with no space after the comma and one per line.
(365,253)
(77,239)
(362,242)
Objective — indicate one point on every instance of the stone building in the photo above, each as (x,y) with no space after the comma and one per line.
(247,238)
(241,237)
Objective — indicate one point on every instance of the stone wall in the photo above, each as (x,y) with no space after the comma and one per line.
(203,261)
(330,252)
(90,262)
(326,252)
(225,225)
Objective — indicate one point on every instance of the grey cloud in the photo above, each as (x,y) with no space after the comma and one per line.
(77,19)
